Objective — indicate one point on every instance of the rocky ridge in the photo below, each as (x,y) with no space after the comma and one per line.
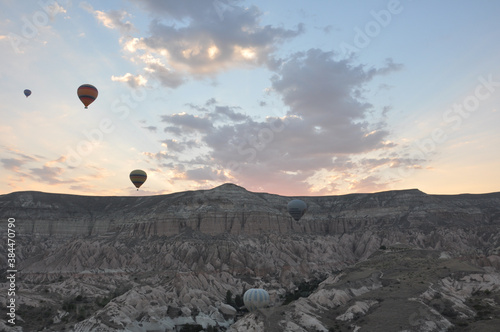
(163,262)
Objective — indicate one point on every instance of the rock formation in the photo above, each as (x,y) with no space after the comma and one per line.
(168,262)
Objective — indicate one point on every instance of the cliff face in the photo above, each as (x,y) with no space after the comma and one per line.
(159,262)
(230,209)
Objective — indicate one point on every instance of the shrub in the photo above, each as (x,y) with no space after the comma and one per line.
(238,300)
(304,289)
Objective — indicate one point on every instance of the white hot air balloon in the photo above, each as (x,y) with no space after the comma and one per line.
(255,299)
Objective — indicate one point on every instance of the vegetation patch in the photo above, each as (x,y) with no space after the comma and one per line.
(304,289)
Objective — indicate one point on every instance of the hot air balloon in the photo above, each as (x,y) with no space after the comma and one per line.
(27,93)
(87,94)
(255,299)
(297,208)
(138,177)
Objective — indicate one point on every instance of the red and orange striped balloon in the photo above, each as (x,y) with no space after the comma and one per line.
(87,94)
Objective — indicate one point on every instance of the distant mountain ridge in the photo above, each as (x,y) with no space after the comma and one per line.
(231,209)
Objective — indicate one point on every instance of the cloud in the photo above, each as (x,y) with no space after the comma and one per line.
(113,19)
(180,10)
(83,188)
(208,45)
(187,123)
(197,38)
(162,155)
(329,28)
(133,81)
(204,174)
(151,129)
(173,130)
(229,113)
(178,146)
(50,175)
(167,77)
(326,117)
(12,164)
(53,9)
(373,163)
(327,122)
(21,159)
(368,185)
(313,84)
(36,169)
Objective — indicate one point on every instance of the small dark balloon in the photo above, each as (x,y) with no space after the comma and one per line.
(27,93)
(297,208)
(138,177)
(87,94)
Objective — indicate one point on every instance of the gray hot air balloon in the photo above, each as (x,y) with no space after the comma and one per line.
(255,299)
(297,208)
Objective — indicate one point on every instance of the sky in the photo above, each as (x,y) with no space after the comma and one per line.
(287,97)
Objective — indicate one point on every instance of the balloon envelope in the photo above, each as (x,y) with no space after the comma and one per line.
(87,94)
(27,93)
(255,298)
(138,177)
(297,208)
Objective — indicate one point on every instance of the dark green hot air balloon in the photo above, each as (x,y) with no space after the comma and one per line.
(297,208)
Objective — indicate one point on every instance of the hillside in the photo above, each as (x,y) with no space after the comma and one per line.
(157,263)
